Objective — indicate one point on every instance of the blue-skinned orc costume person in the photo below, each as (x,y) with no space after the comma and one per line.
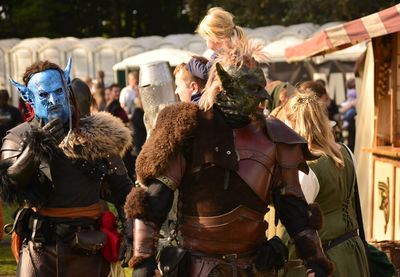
(228,163)
(57,167)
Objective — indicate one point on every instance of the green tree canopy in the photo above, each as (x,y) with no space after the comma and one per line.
(114,18)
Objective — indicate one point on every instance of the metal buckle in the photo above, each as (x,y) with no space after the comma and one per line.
(230,257)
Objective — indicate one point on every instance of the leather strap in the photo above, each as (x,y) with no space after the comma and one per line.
(342,238)
(92,211)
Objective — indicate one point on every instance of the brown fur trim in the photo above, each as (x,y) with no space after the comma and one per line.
(308,247)
(97,137)
(135,204)
(174,124)
(316,219)
(135,261)
(307,244)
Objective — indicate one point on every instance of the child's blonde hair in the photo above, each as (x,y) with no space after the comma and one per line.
(218,25)
(308,117)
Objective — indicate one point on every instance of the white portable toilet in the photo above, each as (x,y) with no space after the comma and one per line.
(140,45)
(275,51)
(82,57)
(301,31)
(109,53)
(266,34)
(22,55)
(5,67)
(175,41)
(195,44)
(56,50)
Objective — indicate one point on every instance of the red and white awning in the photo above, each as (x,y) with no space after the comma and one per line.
(347,34)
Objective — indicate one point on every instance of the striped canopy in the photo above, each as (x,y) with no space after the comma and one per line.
(347,34)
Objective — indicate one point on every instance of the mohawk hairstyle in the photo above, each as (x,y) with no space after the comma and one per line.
(244,52)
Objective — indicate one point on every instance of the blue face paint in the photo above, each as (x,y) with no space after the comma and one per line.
(49,96)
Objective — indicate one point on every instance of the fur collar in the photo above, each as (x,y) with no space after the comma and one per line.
(97,137)
(175,123)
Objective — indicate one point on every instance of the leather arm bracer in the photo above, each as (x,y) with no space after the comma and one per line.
(145,241)
(22,161)
(309,248)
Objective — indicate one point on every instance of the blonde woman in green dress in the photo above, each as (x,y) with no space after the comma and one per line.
(330,183)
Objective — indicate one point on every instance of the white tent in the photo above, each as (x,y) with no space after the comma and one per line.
(173,56)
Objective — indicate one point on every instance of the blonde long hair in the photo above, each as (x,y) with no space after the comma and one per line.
(218,25)
(308,117)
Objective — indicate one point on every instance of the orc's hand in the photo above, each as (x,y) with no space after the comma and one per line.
(316,271)
(56,129)
(146,269)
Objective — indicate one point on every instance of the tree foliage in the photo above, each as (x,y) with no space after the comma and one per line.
(115,18)
(255,13)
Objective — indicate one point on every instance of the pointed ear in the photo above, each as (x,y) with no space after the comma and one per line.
(23,91)
(223,76)
(67,71)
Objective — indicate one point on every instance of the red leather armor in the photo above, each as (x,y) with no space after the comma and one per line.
(216,219)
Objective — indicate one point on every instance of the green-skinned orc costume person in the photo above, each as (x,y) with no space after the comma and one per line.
(57,167)
(228,163)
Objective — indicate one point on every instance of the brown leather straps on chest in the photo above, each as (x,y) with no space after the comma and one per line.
(238,231)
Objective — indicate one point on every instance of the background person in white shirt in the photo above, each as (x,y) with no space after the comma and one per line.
(129,93)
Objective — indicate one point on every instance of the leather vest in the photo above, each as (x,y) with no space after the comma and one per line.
(222,206)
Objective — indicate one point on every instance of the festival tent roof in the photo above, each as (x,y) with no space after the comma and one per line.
(344,35)
(173,56)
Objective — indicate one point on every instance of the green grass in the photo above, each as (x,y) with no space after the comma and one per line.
(7,212)
(7,262)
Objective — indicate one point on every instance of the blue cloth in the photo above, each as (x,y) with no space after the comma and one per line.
(200,69)
(195,98)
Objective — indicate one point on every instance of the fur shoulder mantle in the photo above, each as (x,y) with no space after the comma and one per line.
(175,123)
(98,136)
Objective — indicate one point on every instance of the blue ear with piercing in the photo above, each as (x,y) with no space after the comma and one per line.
(67,71)
(25,93)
